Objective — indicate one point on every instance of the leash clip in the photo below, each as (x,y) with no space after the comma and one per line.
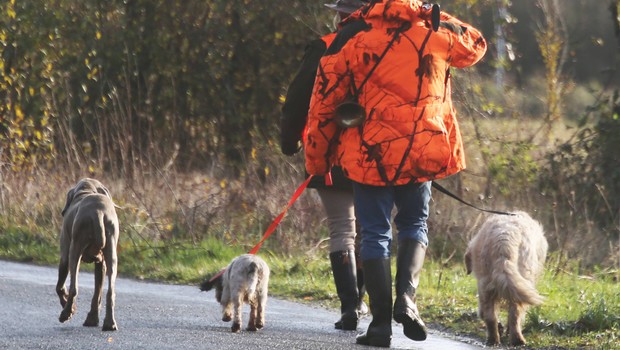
(328,179)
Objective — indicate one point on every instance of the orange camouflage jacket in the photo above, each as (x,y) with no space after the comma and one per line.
(410,132)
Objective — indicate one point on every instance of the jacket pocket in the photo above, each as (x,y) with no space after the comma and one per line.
(431,150)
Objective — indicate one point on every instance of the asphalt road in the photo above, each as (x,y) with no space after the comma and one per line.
(161,316)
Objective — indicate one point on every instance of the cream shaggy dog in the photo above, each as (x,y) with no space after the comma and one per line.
(507,256)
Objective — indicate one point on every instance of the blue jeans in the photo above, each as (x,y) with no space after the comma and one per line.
(373,210)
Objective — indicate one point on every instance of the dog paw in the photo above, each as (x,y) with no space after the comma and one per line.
(92,319)
(65,316)
(109,327)
(517,341)
(236,327)
(109,324)
(226,318)
(493,342)
(252,328)
(91,322)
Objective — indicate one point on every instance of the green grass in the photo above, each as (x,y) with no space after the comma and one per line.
(20,244)
(579,312)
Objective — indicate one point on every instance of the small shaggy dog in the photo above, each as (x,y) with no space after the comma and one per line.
(89,234)
(507,256)
(245,279)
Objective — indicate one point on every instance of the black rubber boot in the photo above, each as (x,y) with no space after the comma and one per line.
(362,308)
(408,267)
(343,267)
(377,273)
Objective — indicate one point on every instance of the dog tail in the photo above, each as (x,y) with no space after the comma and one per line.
(100,231)
(252,277)
(513,286)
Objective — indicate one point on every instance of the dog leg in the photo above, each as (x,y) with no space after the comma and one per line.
(63,272)
(492,333)
(226,304)
(92,320)
(260,310)
(109,322)
(227,312)
(237,310)
(75,256)
(253,312)
(515,316)
(488,312)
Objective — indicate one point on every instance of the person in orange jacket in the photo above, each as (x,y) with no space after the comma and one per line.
(391,67)
(337,197)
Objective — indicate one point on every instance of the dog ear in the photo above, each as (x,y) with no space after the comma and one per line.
(468,262)
(104,191)
(69,200)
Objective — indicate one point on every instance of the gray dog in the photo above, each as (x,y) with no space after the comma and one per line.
(89,234)
(246,279)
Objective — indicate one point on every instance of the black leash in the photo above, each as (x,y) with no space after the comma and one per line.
(441,189)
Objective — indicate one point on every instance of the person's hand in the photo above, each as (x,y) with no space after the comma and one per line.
(426,10)
(290,147)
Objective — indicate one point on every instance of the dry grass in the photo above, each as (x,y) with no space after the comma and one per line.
(173,205)
(162,204)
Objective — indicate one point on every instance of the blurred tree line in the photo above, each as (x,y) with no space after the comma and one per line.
(125,82)
(192,82)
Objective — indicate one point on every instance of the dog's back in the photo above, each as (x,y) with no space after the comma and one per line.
(250,272)
(92,221)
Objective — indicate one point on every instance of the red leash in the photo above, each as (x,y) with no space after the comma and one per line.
(275,222)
